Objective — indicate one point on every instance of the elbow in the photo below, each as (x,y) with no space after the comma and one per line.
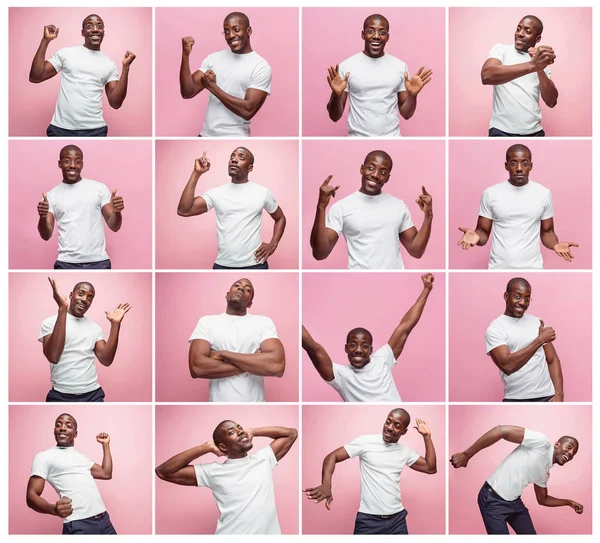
(115,105)
(33,79)
(30,501)
(160,474)
(486,78)
(278,368)
(183,212)
(432,470)
(196,370)
(552,103)
(293,434)
(319,254)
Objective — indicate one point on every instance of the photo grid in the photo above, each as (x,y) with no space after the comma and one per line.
(272,238)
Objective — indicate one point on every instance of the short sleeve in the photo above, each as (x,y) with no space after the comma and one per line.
(534,440)
(270,204)
(402,85)
(57,60)
(99,334)
(268,330)
(485,207)
(261,77)
(268,455)
(201,331)
(412,457)
(113,75)
(495,336)
(355,448)
(46,328)
(50,198)
(548,212)
(40,467)
(497,52)
(548,72)
(342,69)
(387,355)
(202,474)
(104,195)
(335,218)
(206,64)
(209,198)
(406,221)
(338,378)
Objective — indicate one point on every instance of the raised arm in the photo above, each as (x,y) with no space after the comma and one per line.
(479,236)
(267,249)
(105,470)
(177,470)
(35,486)
(269,361)
(54,343)
(189,206)
(46,219)
(283,438)
(550,240)
(407,99)
(116,91)
(112,212)
(555,372)
(323,239)
(514,434)
(337,100)
(494,72)
(189,85)
(318,356)
(323,491)
(410,320)
(105,351)
(415,241)
(428,464)
(41,69)
(206,364)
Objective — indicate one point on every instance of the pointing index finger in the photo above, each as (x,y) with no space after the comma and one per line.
(425,191)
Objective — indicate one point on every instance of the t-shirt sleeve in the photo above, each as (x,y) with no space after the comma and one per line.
(206,64)
(113,74)
(209,198)
(104,195)
(46,328)
(412,457)
(495,336)
(268,330)
(387,355)
(40,467)
(268,454)
(261,77)
(406,221)
(534,440)
(548,72)
(50,198)
(203,474)
(270,204)
(343,68)
(338,378)
(548,212)
(402,85)
(355,448)
(201,332)
(497,52)
(99,334)
(335,218)
(485,206)
(57,60)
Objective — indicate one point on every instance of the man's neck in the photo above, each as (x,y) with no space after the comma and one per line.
(239,181)
(233,311)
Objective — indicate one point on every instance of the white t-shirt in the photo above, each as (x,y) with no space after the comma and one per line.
(239,218)
(373,87)
(373,383)
(380,466)
(77,209)
(533,379)
(517,213)
(69,473)
(84,76)
(238,334)
(516,106)
(371,226)
(243,490)
(75,372)
(530,462)
(235,75)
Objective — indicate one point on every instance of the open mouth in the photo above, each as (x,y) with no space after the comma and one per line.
(243,439)
(565,458)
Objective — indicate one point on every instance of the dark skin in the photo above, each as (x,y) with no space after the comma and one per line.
(518,166)
(237,35)
(93,34)
(394,428)
(65,432)
(268,360)
(375,35)
(563,453)
(239,166)
(234,442)
(375,173)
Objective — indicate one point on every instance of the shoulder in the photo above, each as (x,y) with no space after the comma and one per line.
(208,320)
(260,319)
(260,60)
(534,439)
(50,321)
(497,324)
(391,59)
(353,59)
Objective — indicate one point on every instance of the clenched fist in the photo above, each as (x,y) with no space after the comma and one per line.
(187,44)
(63,507)
(50,32)
(128,59)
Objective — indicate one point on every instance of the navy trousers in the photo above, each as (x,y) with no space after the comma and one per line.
(263,266)
(381,524)
(97,525)
(93,396)
(495,133)
(542,399)
(57,132)
(498,514)
(100,265)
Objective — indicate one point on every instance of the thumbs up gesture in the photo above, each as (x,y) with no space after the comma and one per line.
(117,202)
(43,206)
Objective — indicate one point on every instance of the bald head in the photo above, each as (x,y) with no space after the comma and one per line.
(68,415)
(382,154)
(376,17)
(402,414)
(218,433)
(242,18)
(248,152)
(517,282)
(539,26)
(83,284)
(359,331)
(518,148)
(70,149)
(569,439)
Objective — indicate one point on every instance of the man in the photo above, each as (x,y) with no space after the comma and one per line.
(500,497)
(521,346)
(520,73)
(79,205)
(72,475)
(242,485)
(382,460)
(239,80)
(236,350)
(378,84)
(85,72)
(368,378)
(521,213)
(70,341)
(374,223)
(238,206)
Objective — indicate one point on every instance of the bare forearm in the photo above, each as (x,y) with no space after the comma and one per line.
(115,221)
(410,320)
(110,349)
(268,364)
(419,242)
(186,202)
(407,109)
(335,107)
(39,59)
(318,236)
(515,361)
(547,89)
(549,239)
(181,460)
(241,107)
(498,74)
(328,469)
(117,96)
(430,457)
(39,504)
(483,236)
(55,344)
(486,440)
(551,501)
(107,464)
(44,228)
(555,370)
(186,82)
(273,432)
(205,367)
(278,229)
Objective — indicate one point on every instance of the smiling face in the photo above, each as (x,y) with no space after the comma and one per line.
(564,450)
(232,440)
(359,347)
(81,299)
(396,425)
(375,34)
(65,430)
(517,300)
(237,32)
(92,32)
(527,34)
(70,163)
(375,172)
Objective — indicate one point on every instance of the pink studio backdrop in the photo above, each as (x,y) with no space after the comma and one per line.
(562,301)
(127,496)
(325,428)
(274,37)
(275,167)
(122,165)
(182,298)
(572,481)
(192,510)
(473,33)
(339,29)
(127,29)
(416,163)
(477,165)
(128,379)
(329,313)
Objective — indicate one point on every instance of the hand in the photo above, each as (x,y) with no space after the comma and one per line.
(60,300)
(415,84)
(208,79)
(425,202)
(187,44)
(103,438)
(469,239)
(577,507)
(326,192)
(337,84)
(320,493)
(264,251)
(459,460)
(428,280)
(117,202)
(541,56)
(202,164)
(546,333)
(117,315)
(214,449)
(422,427)
(557,398)
(561,249)
(63,507)
(128,59)
(249,433)
(43,206)
(50,32)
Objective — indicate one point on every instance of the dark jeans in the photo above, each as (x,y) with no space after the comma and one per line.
(263,266)
(93,396)
(101,265)
(497,513)
(542,399)
(381,524)
(57,132)
(495,133)
(98,525)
